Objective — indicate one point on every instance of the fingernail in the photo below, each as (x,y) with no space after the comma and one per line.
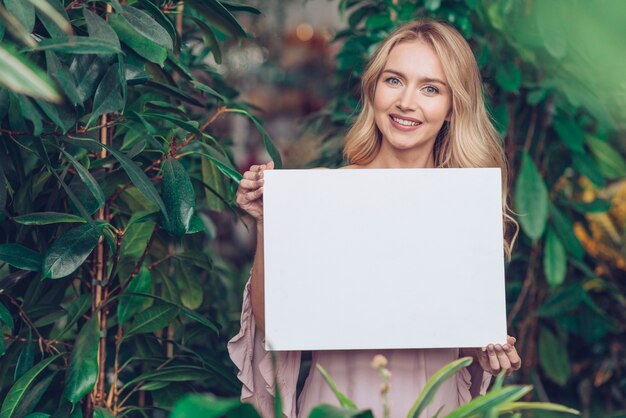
(506,347)
(498,347)
(484,348)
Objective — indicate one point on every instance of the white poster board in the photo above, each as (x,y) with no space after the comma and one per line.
(383,259)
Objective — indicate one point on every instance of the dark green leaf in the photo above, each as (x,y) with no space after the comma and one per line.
(493,399)
(32,398)
(588,168)
(160,17)
(237,7)
(531,199)
(58,71)
(570,133)
(77,45)
(204,88)
(553,357)
(136,236)
(210,39)
(87,70)
(269,145)
(220,162)
(83,370)
(565,230)
(62,115)
(20,257)
(190,289)
(219,16)
(27,357)
(54,17)
(30,112)
(22,76)
(554,259)
(5,317)
(136,41)
(23,11)
(595,206)
(100,412)
(563,301)
(100,30)
(208,406)
(130,305)
(344,401)
(173,92)
(75,311)
(70,251)
(178,196)
(108,97)
(86,177)
(330,411)
(536,406)
(509,77)
(145,25)
(21,387)
(13,25)
(152,319)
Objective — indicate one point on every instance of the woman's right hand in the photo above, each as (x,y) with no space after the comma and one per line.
(250,191)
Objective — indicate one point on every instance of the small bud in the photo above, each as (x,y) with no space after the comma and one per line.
(379,361)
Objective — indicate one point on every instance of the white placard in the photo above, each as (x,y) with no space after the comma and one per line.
(383,259)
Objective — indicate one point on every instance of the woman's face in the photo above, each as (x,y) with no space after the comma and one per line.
(412,98)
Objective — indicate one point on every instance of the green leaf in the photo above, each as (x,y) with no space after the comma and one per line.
(83,370)
(344,401)
(434,383)
(163,20)
(330,411)
(108,97)
(182,373)
(220,162)
(210,39)
(509,77)
(48,12)
(20,257)
(493,399)
(563,301)
(32,398)
(27,357)
(553,357)
(100,412)
(218,16)
(178,196)
(152,319)
(237,7)
(55,69)
(136,175)
(173,92)
(70,251)
(5,317)
(130,305)
(536,406)
(208,406)
(22,386)
(554,259)
(207,89)
(145,25)
(191,293)
(136,236)
(588,168)
(531,199)
(23,11)
(77,45)
(432,5)
(86,177)
(570,133)
(611,164)
(22,76)
(75,311)
(269,145)
(565,230)
(136,41)
(100,30)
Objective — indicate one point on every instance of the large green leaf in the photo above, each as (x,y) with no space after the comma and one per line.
(610,162)
(217,15)
(32,398)
(586,166)
(143,46)
(554,259)
(70,251)
(86,176)
(21,257)
(178,196)
(267,141)
(570,133)
(13,26)
(553,357)
(493,399)
(108,97)
(75,311)
(5,317)
(83,371)
(434,383)
(565,230)
(191,293)
(57,70)
(21,76)
(100,412)
(100,30)
(181,373)
(136,237)
(330,411)
(344,401)
(536,406)
(531,199)
(77,45)
(130,305)
(54,17)
(22,386)
(152,319)
(509,76)
(23,11)
(143,23)
(208,406)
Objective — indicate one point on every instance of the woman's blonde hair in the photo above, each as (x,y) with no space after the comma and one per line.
(469,139)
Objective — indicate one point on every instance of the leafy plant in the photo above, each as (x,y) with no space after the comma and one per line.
(108,167)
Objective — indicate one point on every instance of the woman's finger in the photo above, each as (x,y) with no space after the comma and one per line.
(254,195)
(503,359)
(250,184)
(513,355)
(251,175)
(493,359)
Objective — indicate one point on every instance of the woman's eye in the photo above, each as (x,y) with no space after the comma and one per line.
(431,90)
(393,81)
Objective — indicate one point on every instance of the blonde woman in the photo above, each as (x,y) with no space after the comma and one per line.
(422,107)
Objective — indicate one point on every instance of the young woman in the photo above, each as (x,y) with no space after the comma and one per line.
(422,107)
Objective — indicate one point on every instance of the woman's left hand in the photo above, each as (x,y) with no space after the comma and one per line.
(496,357)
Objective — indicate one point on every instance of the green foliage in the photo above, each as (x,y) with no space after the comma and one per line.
(106,123)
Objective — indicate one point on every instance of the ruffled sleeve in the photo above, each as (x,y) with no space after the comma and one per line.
(247,351)
(464,383)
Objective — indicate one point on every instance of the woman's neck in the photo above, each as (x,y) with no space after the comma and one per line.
(392,158)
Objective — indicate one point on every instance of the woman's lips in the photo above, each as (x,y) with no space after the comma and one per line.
(404,123)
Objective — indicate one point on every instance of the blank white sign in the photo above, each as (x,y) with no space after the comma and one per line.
(383,259)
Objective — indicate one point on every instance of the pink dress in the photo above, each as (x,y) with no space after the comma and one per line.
(351,371)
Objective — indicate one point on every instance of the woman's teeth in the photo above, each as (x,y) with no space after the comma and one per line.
(404,122)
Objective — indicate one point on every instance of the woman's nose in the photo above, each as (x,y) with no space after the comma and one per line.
(407,100)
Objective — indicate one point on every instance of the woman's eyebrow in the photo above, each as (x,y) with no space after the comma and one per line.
(422,80)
